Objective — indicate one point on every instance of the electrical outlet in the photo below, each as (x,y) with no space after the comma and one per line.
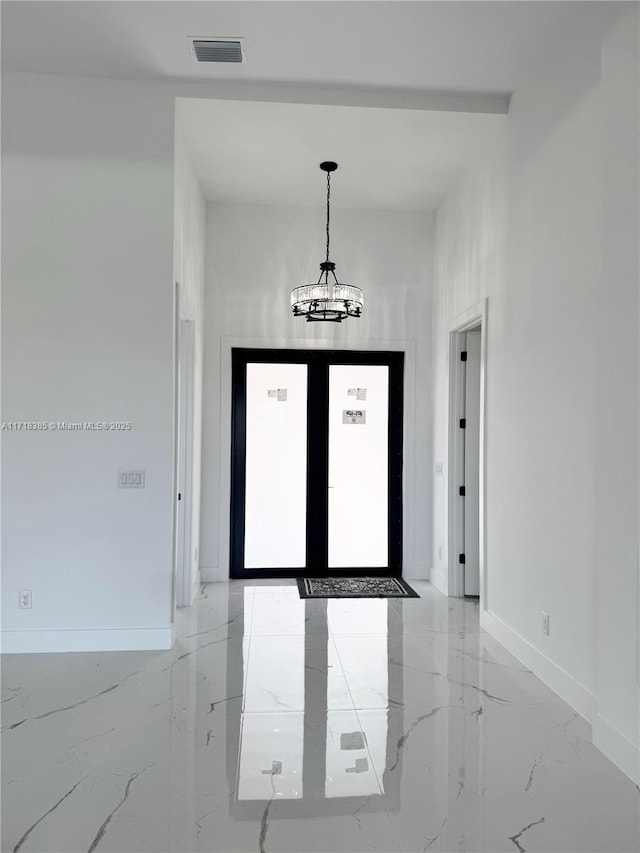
(439,552)
(545,623)
(24,599)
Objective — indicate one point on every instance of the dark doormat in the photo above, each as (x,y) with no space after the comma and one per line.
(355,588)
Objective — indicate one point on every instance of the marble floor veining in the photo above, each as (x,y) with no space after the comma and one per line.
(277,725)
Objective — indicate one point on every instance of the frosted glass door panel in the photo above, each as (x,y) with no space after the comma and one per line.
(358,466)
(276,467)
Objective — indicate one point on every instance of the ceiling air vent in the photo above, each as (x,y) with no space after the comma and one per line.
(217,50)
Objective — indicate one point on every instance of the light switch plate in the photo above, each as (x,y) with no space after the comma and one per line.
(131,479)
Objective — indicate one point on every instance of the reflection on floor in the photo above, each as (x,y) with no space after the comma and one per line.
(277,725)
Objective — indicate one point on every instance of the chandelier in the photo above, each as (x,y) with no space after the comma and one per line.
(327,300)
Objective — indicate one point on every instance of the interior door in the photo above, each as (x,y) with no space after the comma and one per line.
(472,466)
(316,463)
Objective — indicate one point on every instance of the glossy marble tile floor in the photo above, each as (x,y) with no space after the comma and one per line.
(277,725)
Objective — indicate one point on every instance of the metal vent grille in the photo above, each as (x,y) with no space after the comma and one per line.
(210,50)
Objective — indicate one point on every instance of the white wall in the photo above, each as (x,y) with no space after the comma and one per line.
(549,237)
(469,266)
(255,256)
(615,727)
(638,447)
(189,254)
(87,197)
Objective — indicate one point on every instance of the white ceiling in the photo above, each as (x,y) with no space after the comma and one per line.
(464,46)
(269,153)
(388,159)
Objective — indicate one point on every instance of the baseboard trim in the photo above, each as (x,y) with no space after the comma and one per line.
(87,640)
(617,747)
(559,680)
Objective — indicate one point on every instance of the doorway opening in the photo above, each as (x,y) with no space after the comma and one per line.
(466,455)
(316,467)
(183,493)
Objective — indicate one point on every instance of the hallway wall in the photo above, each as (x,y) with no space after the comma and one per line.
(548,233)
(188,261)
(255,256)
(87,244)
(617,593)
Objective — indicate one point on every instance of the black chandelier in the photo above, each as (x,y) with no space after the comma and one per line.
(327,301)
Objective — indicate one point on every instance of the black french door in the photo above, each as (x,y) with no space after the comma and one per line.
(316,463)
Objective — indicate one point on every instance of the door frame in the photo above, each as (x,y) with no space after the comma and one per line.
(472,318)
(217,423)
(317,504)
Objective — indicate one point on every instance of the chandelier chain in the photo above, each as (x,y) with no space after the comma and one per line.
(328,209)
